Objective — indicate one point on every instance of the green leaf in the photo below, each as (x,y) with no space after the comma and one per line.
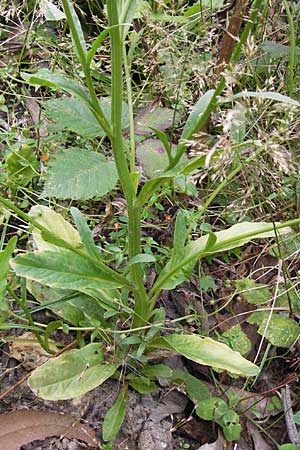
(231,426)
(5,256)
(289,246)
(54,223)
(152,157)
(157,371)
(212,408)
(84,232)
(192,124)
(180,235)
(58,81)
(77,31)
(72,374)
(153,116)
(73,306)
(276,50)
(252,292)
(233,237)
(195,389)
(141,258)
(62,269)
(289,447)
(114,417)
(91,174)
(142,385)
(22,165)
(208,352)
(279,330)
(207,282)
(264,95)
(50,11)
(64,110)
(237,339)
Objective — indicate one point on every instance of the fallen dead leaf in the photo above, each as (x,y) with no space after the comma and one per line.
(28,351)
(258,440)
(24,426)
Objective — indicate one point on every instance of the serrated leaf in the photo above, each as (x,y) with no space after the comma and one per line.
(152,157)
(153,116)
(54,223)
(72,114)
(62,269)
(233,237)
(114,417)
(208,352)
(22,165)
(278,330)
(50,11)
(72,374)
(237,339)
(19,428)
(80,175)
(252,292)
(62,112)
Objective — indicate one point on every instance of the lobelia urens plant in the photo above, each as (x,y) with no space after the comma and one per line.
(125,323)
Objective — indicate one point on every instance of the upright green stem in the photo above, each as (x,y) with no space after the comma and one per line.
(134,226)
(292,46)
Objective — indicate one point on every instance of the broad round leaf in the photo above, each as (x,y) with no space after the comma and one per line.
(279,330)
(208,352)
(80,175)
(153,116)
(72,374)
(237,339)
(152,157)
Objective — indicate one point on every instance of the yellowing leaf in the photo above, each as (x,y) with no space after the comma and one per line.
(72,374)
(208,352)
(54,223)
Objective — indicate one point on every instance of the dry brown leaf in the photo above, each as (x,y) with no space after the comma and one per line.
(258,440)
(24,426)
(28,351)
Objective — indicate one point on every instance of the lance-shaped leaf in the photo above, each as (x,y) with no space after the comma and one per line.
(5,256)
(63,269)
(72,374)
(208,352)
(114,417)
(235,236)
(57,81)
